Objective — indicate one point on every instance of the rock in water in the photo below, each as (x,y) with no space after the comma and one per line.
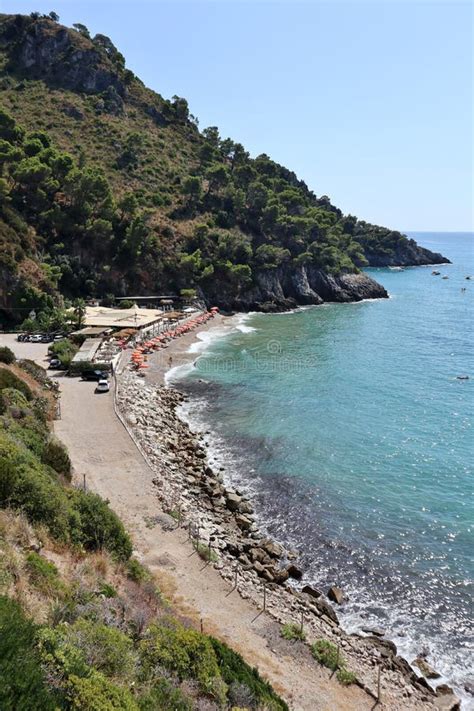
(294,572)
(425,668)
(313,592)
(335,594)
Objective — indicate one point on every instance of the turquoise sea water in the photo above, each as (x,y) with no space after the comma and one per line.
(351,429)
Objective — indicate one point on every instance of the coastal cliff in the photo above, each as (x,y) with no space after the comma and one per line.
(287,287)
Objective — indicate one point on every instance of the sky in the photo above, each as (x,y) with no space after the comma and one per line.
(370,103)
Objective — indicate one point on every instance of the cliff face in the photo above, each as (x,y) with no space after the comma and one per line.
(62,57)
(408,254)
(287,287)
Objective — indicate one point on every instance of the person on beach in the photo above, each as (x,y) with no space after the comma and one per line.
(170,361)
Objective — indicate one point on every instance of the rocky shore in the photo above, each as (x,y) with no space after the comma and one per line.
(222,528)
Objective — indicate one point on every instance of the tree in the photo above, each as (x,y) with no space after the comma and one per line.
(54,16)
(217,176)
(211,134)
(193,188)
(82,29)
(9,130)
(79,312)
(181,108)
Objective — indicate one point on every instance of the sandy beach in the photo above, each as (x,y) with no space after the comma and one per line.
(178,349)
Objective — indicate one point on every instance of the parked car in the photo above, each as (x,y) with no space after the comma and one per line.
(47,338)
(55,363)
(93,375)
(36,338)
(59,337)
(102,386)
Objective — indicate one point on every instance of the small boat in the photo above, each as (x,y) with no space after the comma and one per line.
(396,269)
(468,277)
(436,273)
(445,277)
(462,377)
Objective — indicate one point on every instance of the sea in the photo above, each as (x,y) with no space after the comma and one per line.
(350,425)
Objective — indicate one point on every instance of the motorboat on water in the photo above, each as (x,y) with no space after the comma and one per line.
(397,269)
(435,273)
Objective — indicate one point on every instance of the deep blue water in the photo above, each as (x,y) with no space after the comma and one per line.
(349,425)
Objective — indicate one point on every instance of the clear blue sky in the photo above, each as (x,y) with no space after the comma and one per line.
(369,103)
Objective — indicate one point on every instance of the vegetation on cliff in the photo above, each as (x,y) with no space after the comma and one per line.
(108,188)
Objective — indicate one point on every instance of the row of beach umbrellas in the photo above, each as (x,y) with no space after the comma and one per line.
(139,355)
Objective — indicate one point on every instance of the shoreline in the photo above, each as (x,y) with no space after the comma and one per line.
(193,487)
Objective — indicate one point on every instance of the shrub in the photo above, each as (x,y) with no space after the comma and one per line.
(96,693)
(42,573)
(136,571)
(25,485)
(100,527)
(11,397)
(164,696)
(325,653)
(6,355)
(106,649)
(186,653)
(22,683)
(204,552)
(107,590)
(10,380)
(235,670)
(23,428)
(292,631)
(55,455)
(346,677)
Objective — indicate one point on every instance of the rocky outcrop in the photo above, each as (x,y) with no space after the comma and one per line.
(406,254)
(290,286)
(61,57)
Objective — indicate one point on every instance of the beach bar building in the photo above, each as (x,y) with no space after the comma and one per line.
(144,320)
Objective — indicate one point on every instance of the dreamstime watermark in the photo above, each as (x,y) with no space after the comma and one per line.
(269,358)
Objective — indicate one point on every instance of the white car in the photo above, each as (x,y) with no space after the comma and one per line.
(36,338)
(102,386)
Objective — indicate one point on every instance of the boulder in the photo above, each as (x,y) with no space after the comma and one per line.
(469,687)
(233,501)
(294,572)
(313,592)
(280,575)
(257,554)
(324,608)
(445,699)
(426,668)
(246,507)
(335,594)
(243,522)
(234,548)
(258,567)
(273,549)
(386,647)
(377,631)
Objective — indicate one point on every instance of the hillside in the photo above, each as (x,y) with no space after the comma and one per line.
(107,189)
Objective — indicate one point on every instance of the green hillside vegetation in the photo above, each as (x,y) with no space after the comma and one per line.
(82,625)
(108,188)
